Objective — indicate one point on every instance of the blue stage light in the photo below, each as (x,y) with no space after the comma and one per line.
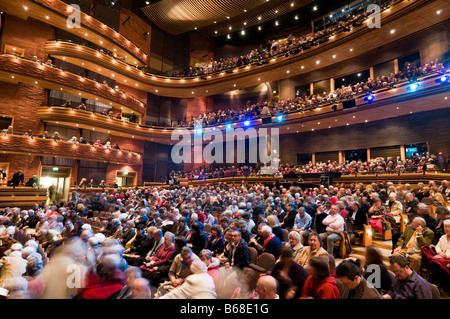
(279,118)
(247,123)
(199,131)
(413,87)
(213,128)
(443,79)
(228,126)
(369,98)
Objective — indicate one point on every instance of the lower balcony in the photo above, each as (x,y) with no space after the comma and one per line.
(21,144)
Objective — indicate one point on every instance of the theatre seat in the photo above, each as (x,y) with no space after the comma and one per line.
(265,264)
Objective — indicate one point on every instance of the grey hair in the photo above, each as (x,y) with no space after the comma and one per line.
(421,220)
(447,222)
(34,262)
(266,230)
(294,234)
(422,206)
(136,271)
(171,235)
(185,250)
(205,252)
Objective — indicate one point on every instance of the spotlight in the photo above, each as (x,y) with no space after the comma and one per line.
(369,98)
(279,118)
(413,87)
(443,79)
(213,128)
(228,126)
(247,123)
(199,131)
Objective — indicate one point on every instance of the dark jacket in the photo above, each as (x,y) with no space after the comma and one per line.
(424,240)
(273,247)
(198,241)
(16,179)
(289,219)
(318,226)
(278,232)
(296,277)
(215,244)
(241,255)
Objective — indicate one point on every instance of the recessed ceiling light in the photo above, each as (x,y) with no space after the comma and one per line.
(245,22)
(334,56)
(243,32)
(292,4)
(229,28)
(296,17)
(392,31)
(438,12)
(318,61)
(259,28)
(351,50)
(215,32)
(315,8)
(287,71)
(276,23)
(259,18)
(303,66)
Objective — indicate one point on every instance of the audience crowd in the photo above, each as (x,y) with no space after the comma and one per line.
(201,242)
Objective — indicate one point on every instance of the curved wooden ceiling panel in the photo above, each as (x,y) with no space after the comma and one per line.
(179,16)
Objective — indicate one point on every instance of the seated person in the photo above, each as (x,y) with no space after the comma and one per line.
(314,249)
(290,275)
(266,288)
(410,242)
(407,284)
(319,284)
(32,181)
(394,207)
(354,284)
(215,242)
(272,244)
(440,262)
(179,271)
(239,254)
(335,225)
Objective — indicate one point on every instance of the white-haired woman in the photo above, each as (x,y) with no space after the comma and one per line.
(294,243)
(198,285)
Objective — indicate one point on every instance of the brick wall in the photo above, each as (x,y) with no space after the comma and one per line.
(131,144)
(21,101)
(198,106)
(29,35)
(113,168)
(29,164)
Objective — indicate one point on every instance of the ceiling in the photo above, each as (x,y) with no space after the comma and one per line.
(180,16)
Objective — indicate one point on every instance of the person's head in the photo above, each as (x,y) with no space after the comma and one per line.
(318,268)
(198,267)
(423,210)
(273,221)
(236,236)
(130,224)
(373,255)
(418,221)
(34,263)
(228,235)
(186,255)
(182,221)
(180,242)
(131,274)
(248,278)
(140,289)
(286,253)
(266,231)
(314,241)
(216,231)
(157,234)
(334,210)
(294,238)
(447,227)
(205,256)
(266,287)
(400,267)
(169,239)
(392,197)
(442,212)
(348,273)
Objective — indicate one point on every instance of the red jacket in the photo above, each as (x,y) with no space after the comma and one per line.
(320,288)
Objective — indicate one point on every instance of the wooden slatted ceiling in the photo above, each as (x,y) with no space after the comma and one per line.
(179,16)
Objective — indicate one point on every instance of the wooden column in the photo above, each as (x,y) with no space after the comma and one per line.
(331,84)
(371,73)
(311,88)
(341,156)
(395,66)
(402,152)
(368,154)
(313,158)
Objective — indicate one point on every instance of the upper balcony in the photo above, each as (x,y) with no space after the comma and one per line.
(405,17)
(36,146)
(56,13)
(388,102)
(15,69)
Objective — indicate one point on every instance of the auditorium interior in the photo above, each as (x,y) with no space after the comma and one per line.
(178,149)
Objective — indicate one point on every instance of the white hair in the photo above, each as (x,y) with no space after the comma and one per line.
(266,230)
(447,222)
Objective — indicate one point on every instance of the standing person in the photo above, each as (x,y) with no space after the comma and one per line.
(17,179)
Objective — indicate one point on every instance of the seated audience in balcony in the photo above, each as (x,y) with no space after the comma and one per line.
(9,130)
(133,117)
(81,106)
(82,140)
(67,104)
(73,140)
(408,284)
(83,182)
(108,145)
(17,179)
(44,135)
(28,133)
(32,181)
(56,136)
(98,143)
(116,146)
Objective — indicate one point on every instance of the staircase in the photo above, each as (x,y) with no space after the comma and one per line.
(384,246)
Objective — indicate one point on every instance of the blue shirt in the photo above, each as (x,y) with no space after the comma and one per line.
(413,287)
(302,222)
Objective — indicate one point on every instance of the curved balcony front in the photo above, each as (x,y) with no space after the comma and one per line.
(57,13)
(337,49)
(387,103)
(36,146)
(14,69)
